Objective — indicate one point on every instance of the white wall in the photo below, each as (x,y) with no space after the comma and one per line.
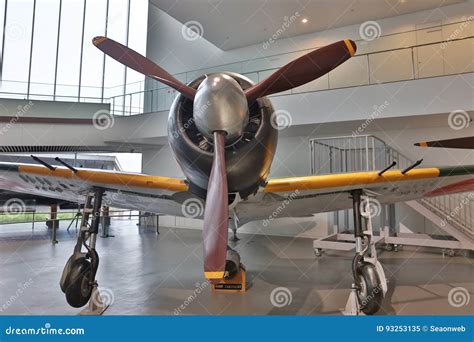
(167,46)
(38,108)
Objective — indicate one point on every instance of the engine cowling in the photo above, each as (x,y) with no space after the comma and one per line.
(248,158)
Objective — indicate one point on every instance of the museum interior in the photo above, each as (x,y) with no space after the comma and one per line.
(236,157)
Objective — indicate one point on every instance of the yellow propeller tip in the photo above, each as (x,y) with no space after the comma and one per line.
(214,275)
(98,40)
(351,46)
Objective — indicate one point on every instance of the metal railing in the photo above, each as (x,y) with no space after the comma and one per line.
(369,153)
(450,55)
(364,69)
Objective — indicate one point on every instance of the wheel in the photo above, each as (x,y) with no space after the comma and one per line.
(232,264)
(370,293)
(318,252)
(65,279)
(389,247)
(79,289)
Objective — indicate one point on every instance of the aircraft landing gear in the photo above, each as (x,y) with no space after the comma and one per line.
(78,279)
(370,284)
(234,276)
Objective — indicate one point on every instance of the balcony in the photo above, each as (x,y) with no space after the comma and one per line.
(436,51)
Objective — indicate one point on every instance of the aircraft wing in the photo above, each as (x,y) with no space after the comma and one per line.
(122,190)
(305,196)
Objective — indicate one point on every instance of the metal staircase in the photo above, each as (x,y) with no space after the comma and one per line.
(451,214)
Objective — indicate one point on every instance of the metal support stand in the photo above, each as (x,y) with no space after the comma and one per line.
(54,232)
(96,306)
(105,223)
(75,219)
(234,236)
(352,306)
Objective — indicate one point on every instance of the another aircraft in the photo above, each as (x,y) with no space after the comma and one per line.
(465,143)
(220,130)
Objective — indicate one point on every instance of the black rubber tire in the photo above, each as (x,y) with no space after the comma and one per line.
(371,293)
(65,277)
(79,290)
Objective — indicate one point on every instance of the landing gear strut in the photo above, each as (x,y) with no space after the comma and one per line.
(78,279)
(370,284)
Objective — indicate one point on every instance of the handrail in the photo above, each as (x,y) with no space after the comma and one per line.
(150,101)
(269,69)
(128,104)
(455,209)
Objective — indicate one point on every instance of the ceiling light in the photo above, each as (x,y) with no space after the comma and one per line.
(304,20)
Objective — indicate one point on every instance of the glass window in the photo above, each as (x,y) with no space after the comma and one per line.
(70,59)
(137,41)
(69,54)
(17,46)
(93,58)
(43,60)
(2,17)
(115,71)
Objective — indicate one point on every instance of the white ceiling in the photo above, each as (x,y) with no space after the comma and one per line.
(230,24)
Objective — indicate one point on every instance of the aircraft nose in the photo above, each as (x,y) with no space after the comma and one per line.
(220,105)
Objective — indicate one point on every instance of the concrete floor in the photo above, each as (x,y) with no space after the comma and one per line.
(153,274)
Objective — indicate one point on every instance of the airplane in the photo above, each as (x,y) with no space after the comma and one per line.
(221,132)
(464,143)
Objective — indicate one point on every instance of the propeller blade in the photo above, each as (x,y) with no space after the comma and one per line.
(466,143)
(216,214)
(303,70)
(143,65)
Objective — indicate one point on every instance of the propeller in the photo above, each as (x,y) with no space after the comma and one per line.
(303,70)
(466,143)
(298,72)
(141,64)
(216,214)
